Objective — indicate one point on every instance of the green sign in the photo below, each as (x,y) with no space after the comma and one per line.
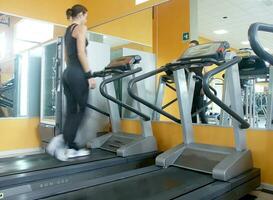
(186,36)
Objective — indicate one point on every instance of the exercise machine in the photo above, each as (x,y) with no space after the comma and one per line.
(31,173)
(123,144)
(189,170)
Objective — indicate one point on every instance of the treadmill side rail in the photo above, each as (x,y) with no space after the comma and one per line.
(99,141)
(125,144)
(233,165)
(141,145)
(170,156)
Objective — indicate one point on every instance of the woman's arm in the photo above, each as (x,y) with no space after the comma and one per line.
(80,35)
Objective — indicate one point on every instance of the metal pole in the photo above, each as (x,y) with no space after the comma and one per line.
(184,105)
(159,98)
(270,99)
(236,104)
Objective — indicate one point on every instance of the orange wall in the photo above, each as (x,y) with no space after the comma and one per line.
(100,11)
(19,133)
(136,27)
(47,10)
(104,11)
(171,19)
(136,47)
(260,142)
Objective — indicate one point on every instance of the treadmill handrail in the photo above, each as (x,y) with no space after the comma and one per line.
(111,98)
(174,66)
(174,100)
(106,72)
(208,103)
(131,85)
(98,110)
(256,44)
(215,99)
(5,103)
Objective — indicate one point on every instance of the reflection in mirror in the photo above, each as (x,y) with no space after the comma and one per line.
(20,64)
(255,75)
(48,89)
(123,47)
(255,84)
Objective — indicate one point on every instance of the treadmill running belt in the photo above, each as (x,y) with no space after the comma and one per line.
(163,184)
(17,165)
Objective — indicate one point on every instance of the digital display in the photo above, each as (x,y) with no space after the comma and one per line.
(209,50)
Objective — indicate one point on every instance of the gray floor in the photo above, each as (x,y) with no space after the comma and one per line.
(263,196)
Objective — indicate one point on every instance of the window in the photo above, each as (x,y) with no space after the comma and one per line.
(29,33)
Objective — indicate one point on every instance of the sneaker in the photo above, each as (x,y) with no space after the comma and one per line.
(71,153)
(56,142)
(61,154)
(82,152)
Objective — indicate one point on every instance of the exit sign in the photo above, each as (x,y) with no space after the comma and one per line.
(186,36)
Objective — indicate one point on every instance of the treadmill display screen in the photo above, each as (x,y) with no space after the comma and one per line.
(213,50)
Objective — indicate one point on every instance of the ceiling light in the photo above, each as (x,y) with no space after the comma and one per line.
(140,1)
(220,32)
(266,49)
(245,42)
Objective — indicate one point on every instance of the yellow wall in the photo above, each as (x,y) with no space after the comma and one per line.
(104,11)
(19,134)
(260,142)
(136,47)
(54,11)
(48,10)
(100,11)
(171,19)
(136,27)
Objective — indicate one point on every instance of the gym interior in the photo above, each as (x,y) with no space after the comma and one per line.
(182,106)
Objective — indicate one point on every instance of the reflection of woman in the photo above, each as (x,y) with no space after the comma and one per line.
(76,80)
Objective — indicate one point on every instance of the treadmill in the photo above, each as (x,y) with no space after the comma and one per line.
(189,170)
(23,174)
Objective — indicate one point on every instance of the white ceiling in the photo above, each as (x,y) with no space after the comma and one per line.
(240,13)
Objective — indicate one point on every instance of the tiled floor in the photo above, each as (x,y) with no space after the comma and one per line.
(263,196)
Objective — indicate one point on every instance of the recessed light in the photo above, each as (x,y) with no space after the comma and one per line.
(140,1)
(245,42)
(267,49)
(220,32)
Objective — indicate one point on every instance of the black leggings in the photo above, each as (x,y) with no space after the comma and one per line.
(76,92)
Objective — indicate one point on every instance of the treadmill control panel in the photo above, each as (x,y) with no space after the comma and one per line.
(213,50)
(124,63)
